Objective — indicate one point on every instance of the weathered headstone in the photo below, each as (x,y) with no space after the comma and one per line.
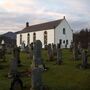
(59,54)
(54,51)
(16,54)
(89,47)
(2,52)
(75,51)
(37,67)
(13,68)
(49,50)
(22,46)
(71,47)
(79,48)
(84,59)
(16,83)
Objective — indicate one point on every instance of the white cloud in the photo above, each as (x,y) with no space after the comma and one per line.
(38,11)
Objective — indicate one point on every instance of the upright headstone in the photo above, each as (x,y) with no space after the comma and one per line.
(59,54)
(54,51)
(84,59)
(37,67)
(79,48)
(49,50)
(22,46)
(13,68)
(89,47)
(71,47)
(75,51)
(16,54)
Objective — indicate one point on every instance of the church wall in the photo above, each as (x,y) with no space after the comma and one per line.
(39,36)
(59,34)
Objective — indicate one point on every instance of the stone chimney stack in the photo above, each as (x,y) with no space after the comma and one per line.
(63,17)
(27,24)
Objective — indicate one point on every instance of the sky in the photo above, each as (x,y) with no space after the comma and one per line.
(15,13)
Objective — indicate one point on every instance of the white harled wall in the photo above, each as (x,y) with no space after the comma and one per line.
(59,33)
(39,36)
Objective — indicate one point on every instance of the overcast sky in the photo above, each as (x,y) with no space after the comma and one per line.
(14,13)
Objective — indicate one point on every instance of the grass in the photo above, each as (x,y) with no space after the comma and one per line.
(58,77)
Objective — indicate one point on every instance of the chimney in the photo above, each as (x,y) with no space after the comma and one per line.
(64,17)
(27,24)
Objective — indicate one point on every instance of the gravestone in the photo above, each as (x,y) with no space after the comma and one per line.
(71,47)
(16,83)
(37,53)
(79,48)
(16,55)
(75,51)
(2,52)
(13,68)
(59,54)
(37,67)
(22,46)
(49,50)
(89,47)
(54,51)
(84,59)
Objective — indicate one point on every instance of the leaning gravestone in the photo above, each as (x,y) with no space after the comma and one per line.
(37,67)
(59,54)
(49,50)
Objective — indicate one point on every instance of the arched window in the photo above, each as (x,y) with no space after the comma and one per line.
(34,37)
(28,39)
(64,32)
(45,38)
(20,38)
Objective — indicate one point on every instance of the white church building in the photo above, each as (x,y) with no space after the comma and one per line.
(58,31)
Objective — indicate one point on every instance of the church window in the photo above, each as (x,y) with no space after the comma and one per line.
(64,41)
(34,37)
(28,39)
(20,38)
(45,38)
(60,41)
(64,32)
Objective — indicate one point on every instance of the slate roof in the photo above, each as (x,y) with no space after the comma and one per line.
(40,27)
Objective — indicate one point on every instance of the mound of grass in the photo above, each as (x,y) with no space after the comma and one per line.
(58,77)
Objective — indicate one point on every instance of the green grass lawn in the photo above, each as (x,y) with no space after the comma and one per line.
(58,77)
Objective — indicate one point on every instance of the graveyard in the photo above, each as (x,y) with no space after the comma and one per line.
(64,76)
